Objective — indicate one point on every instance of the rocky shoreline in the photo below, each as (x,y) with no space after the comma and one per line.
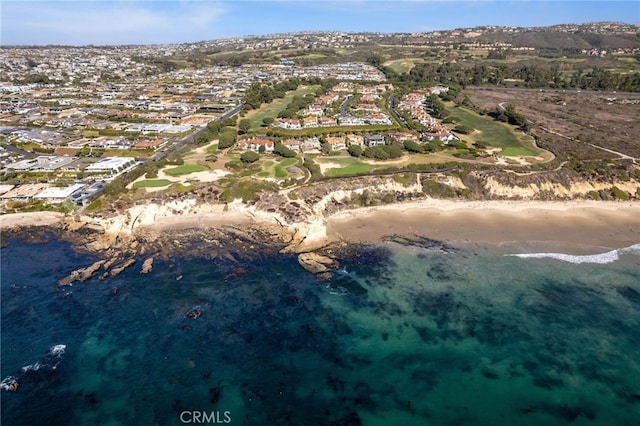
(122,250)
(297,223)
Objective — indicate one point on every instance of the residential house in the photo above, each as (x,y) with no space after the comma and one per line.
(111,165)
(311,121)
(349,120)
(337,143)
(145,144)
(288,123)
(353,139)
(328,122)
(292,144)
(310,144)
(374,140)
(255,144)
(316,110)
(403,136)
(378,119)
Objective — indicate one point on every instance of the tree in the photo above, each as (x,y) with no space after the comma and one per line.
(244,125)
(203,138)
(214,127)
(249,157)
(325,147)
(267,121)
(376,152)
(283,151)
(461,128)
(413,146)
(354,151)
(436,106)
(227,138)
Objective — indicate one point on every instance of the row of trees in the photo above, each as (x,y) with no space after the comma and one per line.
(532,76)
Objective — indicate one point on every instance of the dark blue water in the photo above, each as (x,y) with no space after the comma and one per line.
(402,335)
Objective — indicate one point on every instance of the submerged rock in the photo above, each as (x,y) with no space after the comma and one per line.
(194,313)
(39,371)
(147,266)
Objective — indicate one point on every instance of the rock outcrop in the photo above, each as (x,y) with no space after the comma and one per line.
(147,266)
(318,264)
(118,269)
(82,274)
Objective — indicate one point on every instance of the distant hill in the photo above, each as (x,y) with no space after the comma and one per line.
(554,39)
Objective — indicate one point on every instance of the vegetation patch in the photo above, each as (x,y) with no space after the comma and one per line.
(185,170)
(402,66)
(281,172)
(272,109)
(152,183)
(490,133)
(247,190)
(348,167)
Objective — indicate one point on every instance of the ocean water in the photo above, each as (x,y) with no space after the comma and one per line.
(402,335)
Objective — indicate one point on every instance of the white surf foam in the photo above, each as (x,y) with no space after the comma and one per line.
(600,258)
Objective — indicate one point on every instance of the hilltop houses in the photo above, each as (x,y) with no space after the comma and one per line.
(255,144)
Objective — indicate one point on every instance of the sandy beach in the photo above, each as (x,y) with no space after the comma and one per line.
(551,223)
(554,223)
(8,221)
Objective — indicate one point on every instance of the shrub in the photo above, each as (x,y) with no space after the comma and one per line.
(354,151)
(619,194)
(249,157)
(227,138)
(283,151)
(465,130)
(412,146)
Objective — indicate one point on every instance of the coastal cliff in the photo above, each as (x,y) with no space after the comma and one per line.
(295,220)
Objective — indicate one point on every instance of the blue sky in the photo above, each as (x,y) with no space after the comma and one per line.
(155,22)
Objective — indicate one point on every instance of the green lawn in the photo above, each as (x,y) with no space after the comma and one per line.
(404,65)
(185,170)
(212,148)
(349,166)
(277,169)
(492,133)
(286,162)
(152,183)
(272,109)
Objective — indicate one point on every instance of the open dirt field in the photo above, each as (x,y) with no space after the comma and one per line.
(607,119)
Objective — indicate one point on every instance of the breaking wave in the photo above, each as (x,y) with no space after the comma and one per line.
(48,363)
(601,258)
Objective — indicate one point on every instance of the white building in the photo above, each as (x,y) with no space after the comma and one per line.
(111,165)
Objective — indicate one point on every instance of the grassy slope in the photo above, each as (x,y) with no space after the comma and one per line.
(491,133)
(184,170)
(272,109)
(152,183)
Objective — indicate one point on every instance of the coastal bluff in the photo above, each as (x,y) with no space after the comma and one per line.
(316,221)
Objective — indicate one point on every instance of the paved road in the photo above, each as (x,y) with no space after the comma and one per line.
(343,107)
(392,108)
(190,138)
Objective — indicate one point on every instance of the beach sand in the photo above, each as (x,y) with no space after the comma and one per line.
(13,220)
(550,224)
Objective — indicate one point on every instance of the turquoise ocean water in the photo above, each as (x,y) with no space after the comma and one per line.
(402,335)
